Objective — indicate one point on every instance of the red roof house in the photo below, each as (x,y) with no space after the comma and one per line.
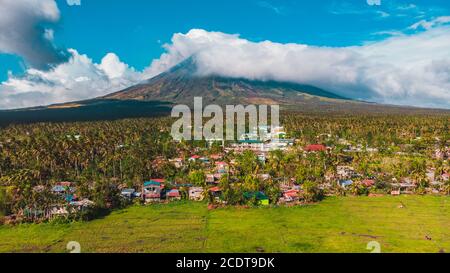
(446,176)
(216,156)
(158,180)
(215,189)
(316,148)
(194,157)
(368,182)
(155,182)
(153,196)
(174,194)
(64,184)
(291,193)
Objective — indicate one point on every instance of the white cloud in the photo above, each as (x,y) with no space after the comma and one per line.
(280,10)
(74,2)
(372,8)
(77,79)
(429,24)
(408,69)
(400,70)
(22,32)
(383,14)
(407,7)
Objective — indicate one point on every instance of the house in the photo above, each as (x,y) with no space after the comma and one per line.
(80,205)
(210,179)
(155,181)
(177,162)
(194,158)
(345,183)
(250,137)
(442,153)
(316,148)
(216,157)
(152,196)
(63,188)
(128,193)
(264,133)
(290,196)
(173,194)
(221,167)
(345,171)
(368,183)
(260,147)
(152,190)
(431,175)
(446,176)
(183,185)
(204,160)
(435,187)
(218,176)
(73,207)
(56,211)
(196,193)
(65,184)
(216,193)
(403,188)
(70,197)
(286,184)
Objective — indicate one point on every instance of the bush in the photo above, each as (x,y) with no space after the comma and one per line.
(359,189)
(311,192)
(5,202)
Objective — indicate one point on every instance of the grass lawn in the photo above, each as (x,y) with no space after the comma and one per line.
(344,224)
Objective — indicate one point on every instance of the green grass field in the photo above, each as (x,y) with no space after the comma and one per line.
(334,225)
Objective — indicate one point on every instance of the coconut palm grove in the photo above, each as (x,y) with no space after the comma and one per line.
(340,136)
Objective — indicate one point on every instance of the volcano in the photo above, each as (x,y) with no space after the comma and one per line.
(179,85)
(183,82)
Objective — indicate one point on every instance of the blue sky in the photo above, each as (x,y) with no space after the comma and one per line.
(133,34)
(135,29)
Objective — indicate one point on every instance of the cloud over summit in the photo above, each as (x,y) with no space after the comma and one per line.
(408,70)
(405,70)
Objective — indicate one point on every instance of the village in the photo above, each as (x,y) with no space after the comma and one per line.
(237,173)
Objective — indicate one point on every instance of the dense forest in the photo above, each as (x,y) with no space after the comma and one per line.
(103,156)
